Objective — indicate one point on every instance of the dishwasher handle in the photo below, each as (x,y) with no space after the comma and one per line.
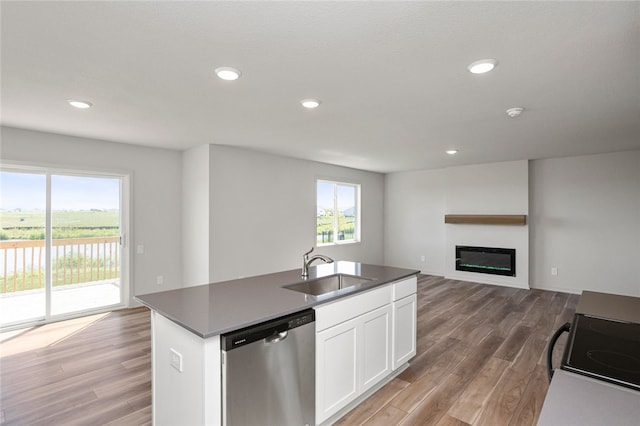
(278,337)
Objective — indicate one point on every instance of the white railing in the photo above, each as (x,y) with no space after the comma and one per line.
(73,261)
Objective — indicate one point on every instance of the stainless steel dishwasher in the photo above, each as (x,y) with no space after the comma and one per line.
(268,373)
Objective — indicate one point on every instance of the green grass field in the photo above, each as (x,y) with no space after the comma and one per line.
(324,224)
(29,225)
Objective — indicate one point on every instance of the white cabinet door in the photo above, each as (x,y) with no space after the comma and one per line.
(404,330)
(350,358)
(375,355)
(336,368)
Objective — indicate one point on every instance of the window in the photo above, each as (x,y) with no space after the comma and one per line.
(338,213)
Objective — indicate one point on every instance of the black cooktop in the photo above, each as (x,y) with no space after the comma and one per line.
(604,349)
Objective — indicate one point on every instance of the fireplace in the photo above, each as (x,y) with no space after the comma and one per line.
(486,260)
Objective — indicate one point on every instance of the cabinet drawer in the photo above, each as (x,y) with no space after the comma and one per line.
(405,288)
(342,310)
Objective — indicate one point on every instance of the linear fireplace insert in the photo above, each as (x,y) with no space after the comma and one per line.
(486,260)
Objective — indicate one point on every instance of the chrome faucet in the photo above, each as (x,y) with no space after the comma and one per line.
(306,261)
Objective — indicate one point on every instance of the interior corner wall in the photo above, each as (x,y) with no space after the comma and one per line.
(263,210)
(155,194)
(195,216)
(414,209)
(585,221)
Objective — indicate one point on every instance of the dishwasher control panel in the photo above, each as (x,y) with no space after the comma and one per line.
(302,320)
(245,336)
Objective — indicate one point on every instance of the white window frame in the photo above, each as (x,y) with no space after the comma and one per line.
(357,207)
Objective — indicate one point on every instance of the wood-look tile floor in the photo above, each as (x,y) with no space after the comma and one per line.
(481,361)
(481,358)
(87,371)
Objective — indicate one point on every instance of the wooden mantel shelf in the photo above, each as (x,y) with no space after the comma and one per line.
(487,219)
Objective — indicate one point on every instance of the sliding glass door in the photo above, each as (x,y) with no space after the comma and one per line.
(60,245)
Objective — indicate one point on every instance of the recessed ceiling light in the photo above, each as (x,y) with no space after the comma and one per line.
(310,103)
(227,73)
(514,112)
(79,104)
(482,66)
(451,151)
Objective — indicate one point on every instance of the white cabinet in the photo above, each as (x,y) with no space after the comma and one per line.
(404,321)
(404,330)
(336,368)
(353,348)
(360,341)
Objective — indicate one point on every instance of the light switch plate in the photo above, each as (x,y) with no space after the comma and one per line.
(175,359)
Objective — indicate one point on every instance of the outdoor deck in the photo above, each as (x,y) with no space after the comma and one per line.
(26,305)
(84,276)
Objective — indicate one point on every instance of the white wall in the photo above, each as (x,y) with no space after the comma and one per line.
(498,188)
(584,218)
(585,221)
(245,213)
(263,210)
(155,194)
(414,208)
(584,211)
(195,216)
(415,205)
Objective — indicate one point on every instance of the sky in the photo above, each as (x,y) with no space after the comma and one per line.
(27,191)
(346,195)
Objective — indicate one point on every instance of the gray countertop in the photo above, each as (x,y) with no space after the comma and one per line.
(612,306)
(213,309)
(578,400)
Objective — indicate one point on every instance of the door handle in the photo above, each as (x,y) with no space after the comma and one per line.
(566,327)
(277,337)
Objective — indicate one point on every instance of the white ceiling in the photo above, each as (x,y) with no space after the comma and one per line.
(392,77)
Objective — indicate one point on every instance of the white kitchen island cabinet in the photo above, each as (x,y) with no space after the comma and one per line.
(356,339)
(351,357)
(357,332)
(336,368)
(404,321)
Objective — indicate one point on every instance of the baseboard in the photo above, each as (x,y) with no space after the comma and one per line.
(559,289)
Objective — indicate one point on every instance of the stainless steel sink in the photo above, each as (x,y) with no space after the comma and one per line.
(320,286)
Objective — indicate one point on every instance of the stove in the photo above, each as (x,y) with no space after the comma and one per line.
(604,349)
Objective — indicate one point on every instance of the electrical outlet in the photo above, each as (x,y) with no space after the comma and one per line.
(175,359)
(422,258)
(554,271)
(140,249)
(159,280)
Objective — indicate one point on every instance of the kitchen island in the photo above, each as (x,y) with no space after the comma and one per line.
(187,324)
